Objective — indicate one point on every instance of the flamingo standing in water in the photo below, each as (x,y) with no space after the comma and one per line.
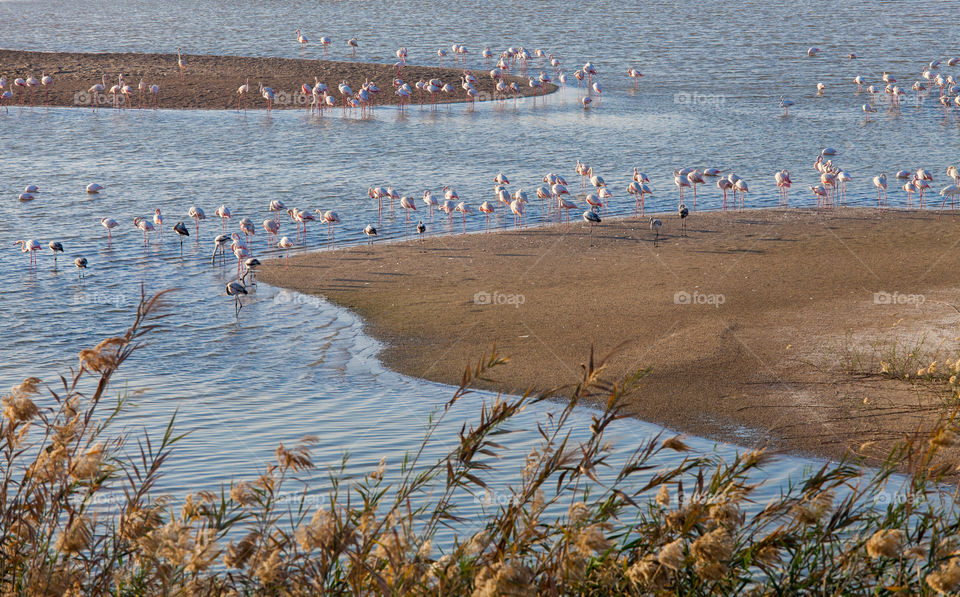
(30,247)
(181,231)
(96,90)
(81,264)
(223,212)
(324,42)
(272,227)
(782,178)
(158,222)
(431,202)
(408,205)
(145,226)
(486,208)
(516,207)
(353,42)
(197,214)
(235,289)
(109,224)
(47,82)
(301,40)
(880,182)
(724,185)
(242,92)
(464,209)
(55,247)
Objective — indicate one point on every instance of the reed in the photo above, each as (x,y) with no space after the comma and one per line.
(632,527)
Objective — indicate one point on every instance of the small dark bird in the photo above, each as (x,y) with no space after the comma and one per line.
(235,289)
(421,228)
(683,212)
(592,218)
(370,231)
(81,263)
(655,225)
(181,231)
(248,268)
(56,248)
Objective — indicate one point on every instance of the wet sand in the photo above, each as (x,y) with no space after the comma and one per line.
(760,327)
(211,82)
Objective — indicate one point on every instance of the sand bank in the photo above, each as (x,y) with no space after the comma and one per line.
(760,326)
(211,82)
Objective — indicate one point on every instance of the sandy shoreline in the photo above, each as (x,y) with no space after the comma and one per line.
(760,326)
(211,82)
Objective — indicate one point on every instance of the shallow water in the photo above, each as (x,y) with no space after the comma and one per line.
(294,365)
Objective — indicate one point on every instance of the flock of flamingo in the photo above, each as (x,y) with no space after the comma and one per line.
(554,195)
(948,88)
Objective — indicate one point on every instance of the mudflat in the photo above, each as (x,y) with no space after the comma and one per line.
(758,327)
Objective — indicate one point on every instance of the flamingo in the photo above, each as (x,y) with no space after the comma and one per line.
(277,206)
(370,231)
(94,188)
(565,205)
(235,289)
(47,82)
(141,87)
(330,218)
(272,227)
(81,264)
(301,40)
(154,95)
(96,90)
(30,247)
(158,222)
(655,225)
(242,92)
(353,42)
(5,97)
(951,191)
(324,42)
(782,178)
(859,81)
(181,231)
(516,207)
(880,182)
(868,110)
(487,208)
(741,186)
(250,267)
(247,227)
(635,75)
(431,202)
(197,214)
(592,218)
(220,243)
(145,226)
(109,224)
(180,64)
(694,178)
(681,181)
(843,178)
(464,209)
(408,205)
(285,244)
(223,212)
(268,94)
(55,247)
(682,213)
(785,104)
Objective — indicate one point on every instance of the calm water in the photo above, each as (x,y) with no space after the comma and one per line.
(294,365)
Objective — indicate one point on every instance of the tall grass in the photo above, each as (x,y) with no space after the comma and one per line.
(634,527)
